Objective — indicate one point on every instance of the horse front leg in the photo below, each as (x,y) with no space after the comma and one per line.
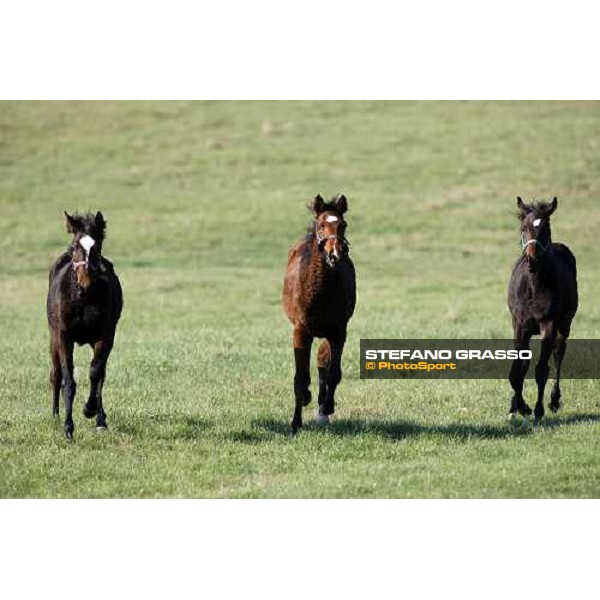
(559,353)
(542,369)
(334,373)
(70,387)
(302,347)
(517,375)
(93,407)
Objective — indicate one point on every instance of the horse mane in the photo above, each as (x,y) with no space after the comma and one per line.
(311,230)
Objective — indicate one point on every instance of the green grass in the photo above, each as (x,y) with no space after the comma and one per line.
(203,201)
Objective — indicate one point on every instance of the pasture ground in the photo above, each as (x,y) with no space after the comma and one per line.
(203,201)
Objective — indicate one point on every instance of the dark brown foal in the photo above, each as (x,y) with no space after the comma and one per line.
(319,295)
(85,301)
(542,298)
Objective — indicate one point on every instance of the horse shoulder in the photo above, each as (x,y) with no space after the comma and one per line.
(292,293)
(564,254)
(351,283)
(518,287)
(297,251)
(59,291)
(118,296)
(57,265)
(290,287)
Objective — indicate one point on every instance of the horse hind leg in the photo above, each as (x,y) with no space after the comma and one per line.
(70,387)
(323,362)
(541,374)
(559,354)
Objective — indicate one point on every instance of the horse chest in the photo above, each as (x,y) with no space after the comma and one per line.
(534,302)
(86,323)
(541,306)
(331,306)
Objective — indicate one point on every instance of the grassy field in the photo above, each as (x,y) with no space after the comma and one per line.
(203,201)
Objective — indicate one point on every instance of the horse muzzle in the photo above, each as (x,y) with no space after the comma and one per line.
(533,250)
(332,258)
(82,273)
(529,248)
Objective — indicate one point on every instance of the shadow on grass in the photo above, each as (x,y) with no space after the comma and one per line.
(163,427)
(265,429)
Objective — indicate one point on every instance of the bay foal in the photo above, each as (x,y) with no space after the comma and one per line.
(319,295)
(84,305)
(542,298)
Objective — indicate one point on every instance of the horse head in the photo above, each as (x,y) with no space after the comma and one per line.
(88,234)
(330,227)
(536,236)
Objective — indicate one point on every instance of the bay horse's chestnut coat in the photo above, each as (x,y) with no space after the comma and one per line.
(319,295)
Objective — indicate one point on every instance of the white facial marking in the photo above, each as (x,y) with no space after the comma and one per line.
(86,243)
(331,219)
(537,222)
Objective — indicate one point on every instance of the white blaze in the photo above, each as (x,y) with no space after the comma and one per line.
(537,222)
(331,219)
(86,243)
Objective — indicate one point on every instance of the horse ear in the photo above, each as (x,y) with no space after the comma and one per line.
(524,210)
(317,206)
(341,204)
(100,221)
(553,206)
(71,223)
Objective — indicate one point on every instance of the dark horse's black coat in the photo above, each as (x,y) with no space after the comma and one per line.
(542,298)
(84,305)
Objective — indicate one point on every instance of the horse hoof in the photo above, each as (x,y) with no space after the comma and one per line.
(101,428)
(554,406)
(321,419)
(69,436)
(294,429)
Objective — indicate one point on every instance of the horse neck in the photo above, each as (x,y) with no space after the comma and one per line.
(315,274)
(73,291)
(541,279)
